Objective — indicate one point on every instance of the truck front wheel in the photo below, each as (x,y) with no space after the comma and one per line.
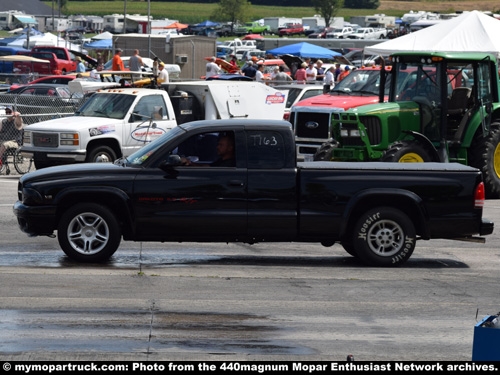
(101,154)
(384,236)
(406,152)
(89,232)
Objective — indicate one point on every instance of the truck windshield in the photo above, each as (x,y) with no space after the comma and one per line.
(361,82)
(141,155)
(114,106)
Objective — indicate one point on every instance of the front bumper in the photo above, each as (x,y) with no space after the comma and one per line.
(35,220)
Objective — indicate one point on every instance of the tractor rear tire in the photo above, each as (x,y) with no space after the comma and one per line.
(484,154)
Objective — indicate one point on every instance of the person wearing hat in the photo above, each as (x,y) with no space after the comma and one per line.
(162,73)
(80,67)
(346,71)
(300,74)
(11,131)
(117,63)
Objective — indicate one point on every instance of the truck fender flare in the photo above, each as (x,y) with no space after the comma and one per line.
(434,154)
(400,199)
(103,194)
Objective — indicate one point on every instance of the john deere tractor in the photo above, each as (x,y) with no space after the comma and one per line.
(442,107)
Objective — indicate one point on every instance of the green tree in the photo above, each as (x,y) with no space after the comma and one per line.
(232,11)
(328,9)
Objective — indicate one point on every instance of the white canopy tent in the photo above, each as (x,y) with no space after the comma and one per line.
(470,32)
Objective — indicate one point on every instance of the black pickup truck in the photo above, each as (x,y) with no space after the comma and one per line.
(376,211)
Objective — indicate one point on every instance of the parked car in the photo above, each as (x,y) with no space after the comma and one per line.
(247,55)
(62,79)
(298,92)
(42,101)
(146,60)
(319,33)
(60,91)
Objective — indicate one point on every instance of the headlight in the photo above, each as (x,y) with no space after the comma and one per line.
(70,139)
(355,133)
(26,137)
(32,197)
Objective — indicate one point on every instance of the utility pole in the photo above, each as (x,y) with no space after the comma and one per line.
(124,17)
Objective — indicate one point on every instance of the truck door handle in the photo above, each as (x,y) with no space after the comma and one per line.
(235,183)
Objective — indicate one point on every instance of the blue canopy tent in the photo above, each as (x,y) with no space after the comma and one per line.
(304,50)
(100,44)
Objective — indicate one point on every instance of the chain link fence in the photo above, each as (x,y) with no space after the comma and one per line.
(36,108)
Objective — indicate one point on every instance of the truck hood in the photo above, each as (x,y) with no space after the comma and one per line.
(72,123)
(337,101)
(74,171)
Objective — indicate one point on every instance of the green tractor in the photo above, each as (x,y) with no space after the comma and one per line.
(442,107)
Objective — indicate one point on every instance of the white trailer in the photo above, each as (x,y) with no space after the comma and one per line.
(314,22)
(13,19)
(380,20)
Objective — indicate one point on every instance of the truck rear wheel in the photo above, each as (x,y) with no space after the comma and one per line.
(384,236)
(101,154)
(406,152)
(484,154)
(89,232)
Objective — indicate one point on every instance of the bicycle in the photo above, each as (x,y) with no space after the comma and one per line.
(22,164)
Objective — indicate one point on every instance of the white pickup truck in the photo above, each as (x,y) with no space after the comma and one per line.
(115,122)
(368,33)
(340,33)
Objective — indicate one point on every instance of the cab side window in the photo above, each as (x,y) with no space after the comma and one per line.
(145,109)
(266,149)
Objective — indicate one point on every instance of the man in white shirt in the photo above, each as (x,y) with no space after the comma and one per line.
(311,73)
(212,68)
(329,80)
(162,73)
(259,76)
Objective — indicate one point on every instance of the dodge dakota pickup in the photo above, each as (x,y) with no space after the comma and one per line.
(376,211)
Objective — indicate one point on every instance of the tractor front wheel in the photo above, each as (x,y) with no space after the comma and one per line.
(406,152)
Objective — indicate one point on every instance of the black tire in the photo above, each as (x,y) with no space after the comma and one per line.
(484,154)
(101,154)
(324,153)
(384,236)
(349,248)
(406,152)
(21,163)
(89,232)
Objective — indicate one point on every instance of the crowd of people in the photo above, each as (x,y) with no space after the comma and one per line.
(308,72)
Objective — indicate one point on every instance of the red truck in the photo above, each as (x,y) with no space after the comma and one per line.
(61,60)
(295,29)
